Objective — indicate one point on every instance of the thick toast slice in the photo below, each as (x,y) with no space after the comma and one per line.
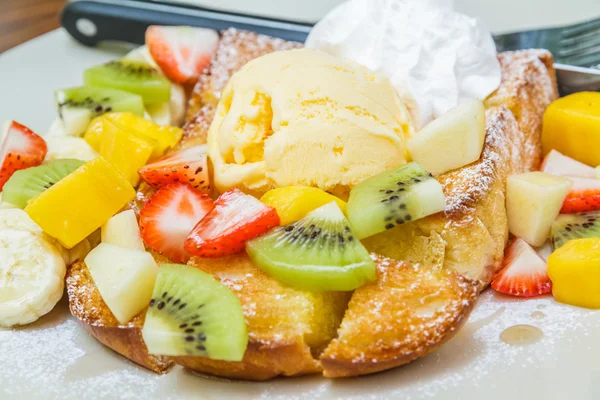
(454,251)
(415,305)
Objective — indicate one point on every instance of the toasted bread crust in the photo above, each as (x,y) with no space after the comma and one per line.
(408,312)
(451,254)
(86,304)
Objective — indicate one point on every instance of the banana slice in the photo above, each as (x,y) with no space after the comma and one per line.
(32,274)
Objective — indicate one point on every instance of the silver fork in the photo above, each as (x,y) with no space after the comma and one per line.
(576,50)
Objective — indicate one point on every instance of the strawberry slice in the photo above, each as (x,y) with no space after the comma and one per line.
(524,272)
(21,149)
(187,166)
(182,52)
(236,218)
(168,217)
(557,163)
(583,196)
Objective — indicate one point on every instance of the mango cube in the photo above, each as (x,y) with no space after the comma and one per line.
(165,136)
(81,202)
(126,151)
(162,137)
(572,126)
(574,270)
(125,278)
(294,202)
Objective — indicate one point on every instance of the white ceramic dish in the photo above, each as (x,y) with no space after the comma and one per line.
(56,358)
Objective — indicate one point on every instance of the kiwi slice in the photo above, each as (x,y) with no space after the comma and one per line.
(132,76)
(393,198)
(26,184)
(78,106)
(567,227)
(317,253)
(192,314)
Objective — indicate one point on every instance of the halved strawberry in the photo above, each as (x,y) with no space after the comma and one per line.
(236,218)
(583,196)
(524,272)
(21,149)
(182,52)
(187,166)
(169,216)
(557,163)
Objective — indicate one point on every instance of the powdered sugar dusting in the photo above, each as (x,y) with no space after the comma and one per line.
(55,358)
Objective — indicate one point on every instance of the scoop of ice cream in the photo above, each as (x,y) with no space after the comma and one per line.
(430,53)
(303,117)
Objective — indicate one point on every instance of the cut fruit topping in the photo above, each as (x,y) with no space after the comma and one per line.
(169,216)
(26,184)
(572,126)
(192,314)
(124,277)
(294,202)
(68,147)
(317,253)
(533,201)
(187,166)
(453,140)
(81,202)
(524,273)
(575,273)
(123,230)
(575,226)
(182,52)
(78,106)
(21,149)
(236,218)
(558,164)
(393,198)
(131,76)
(165,137)
(583,196)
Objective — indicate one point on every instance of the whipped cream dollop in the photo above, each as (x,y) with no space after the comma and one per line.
(435,57)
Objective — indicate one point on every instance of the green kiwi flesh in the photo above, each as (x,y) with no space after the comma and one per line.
(78,106)
(192,314)
(317,253)
(131,76)
(393,198)
(28,183)
(567,227)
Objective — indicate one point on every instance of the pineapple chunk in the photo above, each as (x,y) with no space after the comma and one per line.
(123,230)
(533,201)
(572,126)
(125,278)
(453,140)
(81,202)
(574,270)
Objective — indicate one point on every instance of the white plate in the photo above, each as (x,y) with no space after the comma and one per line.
(56,358)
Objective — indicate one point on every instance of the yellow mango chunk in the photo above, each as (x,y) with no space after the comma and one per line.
(294,202)
(572,126)
(574,270)
(126,152)
(81,202)
(162,137)
(166,136)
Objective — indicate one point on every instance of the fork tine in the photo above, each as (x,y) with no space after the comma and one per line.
(577,29)
(583,46)
(578,39)
(590,59)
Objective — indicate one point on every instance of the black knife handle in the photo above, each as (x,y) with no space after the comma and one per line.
(127,21)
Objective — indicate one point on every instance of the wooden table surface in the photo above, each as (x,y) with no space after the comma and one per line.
(22,20)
